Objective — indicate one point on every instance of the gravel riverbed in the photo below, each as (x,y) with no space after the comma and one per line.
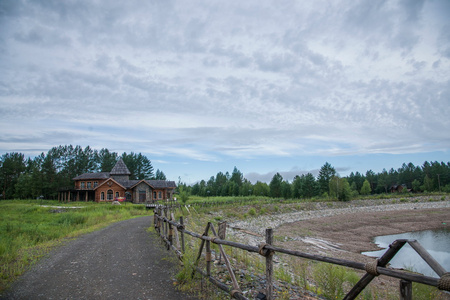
(319,210)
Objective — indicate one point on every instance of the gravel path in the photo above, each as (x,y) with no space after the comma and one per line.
(122,261)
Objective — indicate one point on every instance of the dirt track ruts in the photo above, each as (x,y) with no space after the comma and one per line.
(122,261)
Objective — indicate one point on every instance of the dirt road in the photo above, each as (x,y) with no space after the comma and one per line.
(122,261)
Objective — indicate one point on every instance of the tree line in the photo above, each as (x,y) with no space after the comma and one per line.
(430,177)
(45,174)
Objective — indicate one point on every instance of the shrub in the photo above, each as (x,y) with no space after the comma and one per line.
(252,212)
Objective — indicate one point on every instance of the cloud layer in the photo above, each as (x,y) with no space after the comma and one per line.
(206,80)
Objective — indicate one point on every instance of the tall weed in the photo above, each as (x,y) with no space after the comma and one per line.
(330,279)
(28,230)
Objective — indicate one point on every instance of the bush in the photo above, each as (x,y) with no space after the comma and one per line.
(252,212)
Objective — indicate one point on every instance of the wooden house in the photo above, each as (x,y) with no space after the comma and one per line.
(116,185)
(398,188)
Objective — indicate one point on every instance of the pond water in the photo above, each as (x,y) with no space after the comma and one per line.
(436,242)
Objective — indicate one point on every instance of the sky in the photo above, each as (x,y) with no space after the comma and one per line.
(201,87)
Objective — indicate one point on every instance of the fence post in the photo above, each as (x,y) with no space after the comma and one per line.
(208,256)
(381,262)
(182,234)
(269,265)
(170,238)
(166,225)
(405,290)
(221,233)
(158,221)
(155,219)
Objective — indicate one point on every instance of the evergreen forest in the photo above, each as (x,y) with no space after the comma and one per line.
(45,174)
(430,177)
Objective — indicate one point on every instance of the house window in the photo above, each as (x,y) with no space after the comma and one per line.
(95,184)
(117,194)
(109,195)
(82,185)
(102,196)
(154,195)
(89,185)
(159,195)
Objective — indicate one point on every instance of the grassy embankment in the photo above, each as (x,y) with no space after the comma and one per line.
(30,228)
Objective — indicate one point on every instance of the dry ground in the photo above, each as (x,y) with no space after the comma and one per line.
(348,235)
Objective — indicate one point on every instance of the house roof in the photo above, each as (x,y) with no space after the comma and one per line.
(161,183)
(109,180)
(120,169)
(100,175)
(128,183)
(156,184)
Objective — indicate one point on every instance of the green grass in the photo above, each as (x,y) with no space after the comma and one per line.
(28,229)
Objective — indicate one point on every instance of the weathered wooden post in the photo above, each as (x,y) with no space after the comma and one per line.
(371,269)
(182,234)
(222,234)
(159,221)
(170,237)
(208,255)
(166,225)
(405,290)
(269,265)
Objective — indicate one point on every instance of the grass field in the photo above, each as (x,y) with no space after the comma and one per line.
(30,228)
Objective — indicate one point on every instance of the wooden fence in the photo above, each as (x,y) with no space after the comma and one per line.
(164,225)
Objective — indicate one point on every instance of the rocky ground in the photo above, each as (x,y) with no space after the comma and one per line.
(349,225)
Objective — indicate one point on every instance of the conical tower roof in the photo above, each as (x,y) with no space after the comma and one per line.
(120,169)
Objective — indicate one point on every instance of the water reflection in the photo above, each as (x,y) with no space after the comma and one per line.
(436,242)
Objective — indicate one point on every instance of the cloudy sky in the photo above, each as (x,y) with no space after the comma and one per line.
(203,86)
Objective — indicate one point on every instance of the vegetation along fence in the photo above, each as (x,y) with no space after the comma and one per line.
(164,225)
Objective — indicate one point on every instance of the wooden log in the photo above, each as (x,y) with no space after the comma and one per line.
(224,242)
(269,266)
(170,236)
(227,262)
(182,234)
(405,290)
(382,262)
(427,257)
(356,265)
(208,258)
(222,234)
(166,224)
(236,295)
(177,240)
(200,249)
(332,260)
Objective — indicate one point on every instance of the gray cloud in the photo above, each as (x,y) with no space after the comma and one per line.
(231,79)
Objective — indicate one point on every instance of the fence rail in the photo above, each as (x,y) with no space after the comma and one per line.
(164,224)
